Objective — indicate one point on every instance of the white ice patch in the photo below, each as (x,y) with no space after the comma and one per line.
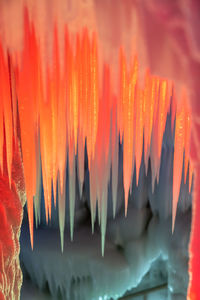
(81,273)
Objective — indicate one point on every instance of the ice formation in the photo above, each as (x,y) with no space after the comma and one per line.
(88,83)
(132,243)
(75,109)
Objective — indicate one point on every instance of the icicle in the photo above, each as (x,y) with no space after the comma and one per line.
(61,207)
(122,92)
(80,162)
(72,186)
(103,218)
(38,194)
(55,95)
(187,127)
(191,173)
(187,145)
(147,118)
(86,85)
(128,121)
(161,121)
(173,108)
(115,153)
(178,160)
(139,131)
(154,144)
(46,151)
(74,104)
(94,93)
(62,125)
(72,127)
(37,200)
(93,193)
(81,137)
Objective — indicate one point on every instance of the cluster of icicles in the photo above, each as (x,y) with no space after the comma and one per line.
(59,112)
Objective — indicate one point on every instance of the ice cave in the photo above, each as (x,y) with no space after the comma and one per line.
(99,160)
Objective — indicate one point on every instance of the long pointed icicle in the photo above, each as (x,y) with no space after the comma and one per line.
(128,155)
(55,94)
(187,136)
(162,116)
(61,208)
(93,193)
(71,188)
(122,92)
(46,151)
(115,153)
(191,173)
(147,118)
(86,58)
(81,137)
(103,218)
(154,148)
(178,159)
(94,93)
(62,130)
(139,131)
